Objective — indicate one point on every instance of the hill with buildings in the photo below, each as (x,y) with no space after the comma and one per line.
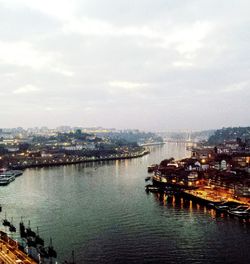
(229,134)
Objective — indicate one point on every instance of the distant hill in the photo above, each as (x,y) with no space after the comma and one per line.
(229,133)
(195,136)
(202,135)
(134,136)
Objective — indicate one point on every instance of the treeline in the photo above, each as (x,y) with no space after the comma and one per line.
(229,133)
(135,137)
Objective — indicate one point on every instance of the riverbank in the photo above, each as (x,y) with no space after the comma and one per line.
(68,160)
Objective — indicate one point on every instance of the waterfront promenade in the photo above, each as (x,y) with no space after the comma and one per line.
(9,252)
(211,196)
(29,162)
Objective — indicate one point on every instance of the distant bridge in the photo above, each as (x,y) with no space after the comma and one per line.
(179,141)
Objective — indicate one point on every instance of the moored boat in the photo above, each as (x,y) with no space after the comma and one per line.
(29,232)
(228,205)
(51,251)
(22,230)
(165,181)
(14,173)
(5,179)
(148,178)
(5,221)
(240,211)
(152,167)
(12,228)
(152,188)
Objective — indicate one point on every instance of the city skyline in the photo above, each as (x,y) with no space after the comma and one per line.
(145,65)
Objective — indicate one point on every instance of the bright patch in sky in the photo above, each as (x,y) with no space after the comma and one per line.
(26,89)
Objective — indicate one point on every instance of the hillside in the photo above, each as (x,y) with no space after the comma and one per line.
(229,133)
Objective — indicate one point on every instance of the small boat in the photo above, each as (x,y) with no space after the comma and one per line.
(239,208)
(51,251)
(17,172)
(6,222)
(38,239)
(12,228)
(152,167)
(5,179)
(43,252)
(152,188)
(22,229)
(14,173)
(227,205)
(148,178)
(29,232)
(31,242)
(240,211)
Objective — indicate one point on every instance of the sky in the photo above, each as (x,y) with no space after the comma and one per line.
(152,65)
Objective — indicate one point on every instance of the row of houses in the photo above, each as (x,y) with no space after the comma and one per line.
(211,158)
(225,166)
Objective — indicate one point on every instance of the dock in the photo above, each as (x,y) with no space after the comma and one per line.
(207,196)
(203,196)
(10,252)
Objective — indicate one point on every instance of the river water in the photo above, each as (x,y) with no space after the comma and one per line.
(102,212)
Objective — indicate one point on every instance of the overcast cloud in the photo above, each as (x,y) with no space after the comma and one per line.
(153,65)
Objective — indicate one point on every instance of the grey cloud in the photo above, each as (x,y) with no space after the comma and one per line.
(23,23)
(167,64)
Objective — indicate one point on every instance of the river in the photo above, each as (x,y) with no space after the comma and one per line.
(102,212)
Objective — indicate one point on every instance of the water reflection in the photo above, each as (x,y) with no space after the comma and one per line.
(175,201)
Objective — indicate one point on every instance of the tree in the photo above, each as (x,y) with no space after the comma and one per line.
(165,162)
(24,146)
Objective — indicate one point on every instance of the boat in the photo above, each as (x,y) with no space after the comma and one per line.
(5,221)
(22,230)
(31,242)
(240,211)
(12,228)
(152,188)
(43,252)
(165,181)
(38,239)
(29,232)
(51,251)
(227,205)
(15,173)
(5,179)
(148,178)
(152,167)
